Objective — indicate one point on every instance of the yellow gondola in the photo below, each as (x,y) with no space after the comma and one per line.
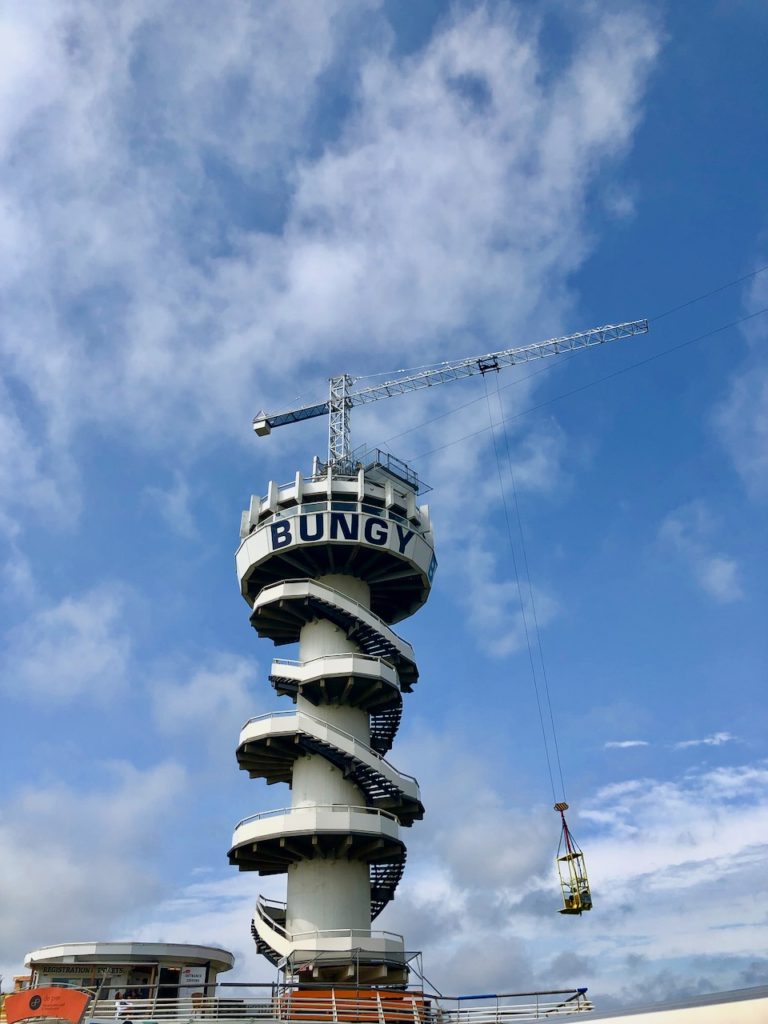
(572,871)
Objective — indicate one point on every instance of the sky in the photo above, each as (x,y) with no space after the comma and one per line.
(206,210)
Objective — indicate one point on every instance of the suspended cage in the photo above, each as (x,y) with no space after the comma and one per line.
(572,871)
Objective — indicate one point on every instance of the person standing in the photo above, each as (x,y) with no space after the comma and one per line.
(123,1007)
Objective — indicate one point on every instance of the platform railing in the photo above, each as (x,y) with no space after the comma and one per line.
(262,912)
(295,663)
(350,1005)
(336,597)
(338,809)
(314,507)
(325,731)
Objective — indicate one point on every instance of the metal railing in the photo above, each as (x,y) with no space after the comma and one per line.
(340,600)
(334,808)
(353,1005)
(313,507)
(329,933)
(297,663)
(359,749)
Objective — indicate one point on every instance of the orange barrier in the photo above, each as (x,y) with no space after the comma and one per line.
(59,1003)
(353,1005)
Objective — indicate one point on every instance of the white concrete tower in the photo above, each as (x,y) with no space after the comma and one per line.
(330,562)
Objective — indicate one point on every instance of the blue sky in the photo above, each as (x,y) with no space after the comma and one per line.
(203,214)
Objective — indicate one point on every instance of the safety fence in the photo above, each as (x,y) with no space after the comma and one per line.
(345,1006)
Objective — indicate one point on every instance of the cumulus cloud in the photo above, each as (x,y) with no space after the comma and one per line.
(216,910)
(503,615)
(688,531)
(741,417)
(32,476)
(438,203)
(674,865)
(624,744)
(175,506)
(73,649)
(443,214)
(86,855)
(212,699)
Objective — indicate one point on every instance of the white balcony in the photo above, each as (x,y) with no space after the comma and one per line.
(315,820)
(291,723)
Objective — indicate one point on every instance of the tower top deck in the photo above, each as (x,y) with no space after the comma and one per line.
(367,525)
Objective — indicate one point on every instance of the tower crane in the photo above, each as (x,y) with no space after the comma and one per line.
(343,395)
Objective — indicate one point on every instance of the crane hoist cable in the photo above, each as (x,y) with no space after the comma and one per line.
(571,867)
(532,595)
(544,369)
(595,382)
(523,616)
(345,393)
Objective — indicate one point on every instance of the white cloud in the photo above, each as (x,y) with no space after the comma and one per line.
(175,506)
(742,422)
(32,477)
(674,865)
(74,648)
(624,744)
(85,855)
(493,605)
(620,203)
(18,577)
(688,531)
(429,211)
(444,217)
(214,701)
(741,418)
(717,739)
(216,910)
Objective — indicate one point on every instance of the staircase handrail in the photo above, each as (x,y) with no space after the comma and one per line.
(319,932)
(356,743)
(314,584)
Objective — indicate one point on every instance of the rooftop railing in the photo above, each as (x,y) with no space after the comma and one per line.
(310,507)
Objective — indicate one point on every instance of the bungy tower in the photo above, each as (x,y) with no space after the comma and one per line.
(330,562)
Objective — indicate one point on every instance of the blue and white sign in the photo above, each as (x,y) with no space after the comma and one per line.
(337,527)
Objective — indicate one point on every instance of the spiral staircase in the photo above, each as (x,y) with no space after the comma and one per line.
(330,562)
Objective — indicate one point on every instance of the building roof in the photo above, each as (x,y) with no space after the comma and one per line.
(130,952)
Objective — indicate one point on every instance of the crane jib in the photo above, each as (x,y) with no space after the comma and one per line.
(343,398)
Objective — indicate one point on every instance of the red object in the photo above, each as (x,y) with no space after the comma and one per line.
(59,1003)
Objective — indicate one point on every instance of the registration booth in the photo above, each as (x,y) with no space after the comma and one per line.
(142,970)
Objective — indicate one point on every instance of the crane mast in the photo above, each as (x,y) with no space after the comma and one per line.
(342,396)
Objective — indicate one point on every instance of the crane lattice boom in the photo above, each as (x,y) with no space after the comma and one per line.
(342,397)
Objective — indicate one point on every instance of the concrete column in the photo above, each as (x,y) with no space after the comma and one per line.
(328,894)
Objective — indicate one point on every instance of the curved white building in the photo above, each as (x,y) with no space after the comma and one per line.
(152,970)
(331,562)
